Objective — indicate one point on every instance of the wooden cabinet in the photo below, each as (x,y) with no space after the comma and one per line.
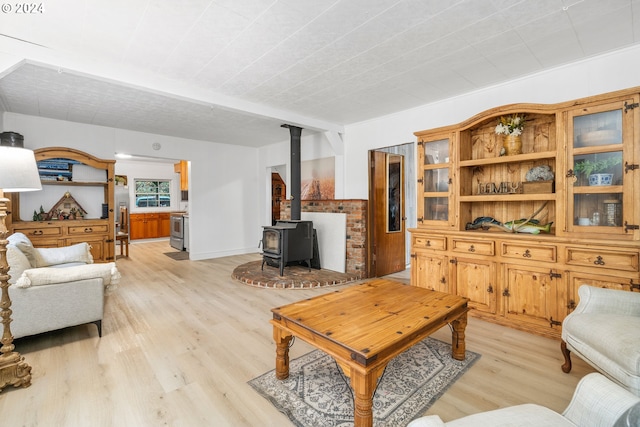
(149,225)
(590,233)
(532,294)
(182,167)
(98,232)
(475,278)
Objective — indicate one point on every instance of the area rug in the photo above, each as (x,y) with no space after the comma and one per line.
(178,256)
(317,394)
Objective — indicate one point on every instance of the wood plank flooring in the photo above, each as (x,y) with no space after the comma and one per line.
(182,338)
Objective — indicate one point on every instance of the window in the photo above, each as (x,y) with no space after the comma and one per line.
(153,193)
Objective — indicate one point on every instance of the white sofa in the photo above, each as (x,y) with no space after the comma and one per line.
(596,402)
(604,331)
(54,288)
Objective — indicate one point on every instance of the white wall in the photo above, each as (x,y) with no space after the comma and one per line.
(223,205)
(605,73)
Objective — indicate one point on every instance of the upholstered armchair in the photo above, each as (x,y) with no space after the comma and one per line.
(604,331)
(54,288)
(596,402)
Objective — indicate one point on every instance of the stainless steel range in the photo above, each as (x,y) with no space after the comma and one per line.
(176,239)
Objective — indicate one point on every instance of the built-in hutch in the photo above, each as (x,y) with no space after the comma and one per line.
(589,235)
(65,173)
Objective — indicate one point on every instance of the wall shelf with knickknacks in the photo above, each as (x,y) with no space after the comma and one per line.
(75,204)
(519,226)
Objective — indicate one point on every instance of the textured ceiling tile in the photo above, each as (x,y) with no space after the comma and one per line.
(333,60)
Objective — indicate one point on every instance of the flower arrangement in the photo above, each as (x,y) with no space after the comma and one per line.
(511,125)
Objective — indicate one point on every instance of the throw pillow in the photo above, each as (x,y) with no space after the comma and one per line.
(22,242)
(80,252)
(18,263)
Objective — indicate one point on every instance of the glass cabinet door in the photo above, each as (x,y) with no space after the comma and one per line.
(434,182)
(599,189)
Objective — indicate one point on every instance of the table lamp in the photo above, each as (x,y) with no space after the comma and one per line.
(18,172)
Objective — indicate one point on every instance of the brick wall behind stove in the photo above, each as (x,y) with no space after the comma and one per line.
(356,210)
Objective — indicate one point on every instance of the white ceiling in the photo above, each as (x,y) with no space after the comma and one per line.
(232,71)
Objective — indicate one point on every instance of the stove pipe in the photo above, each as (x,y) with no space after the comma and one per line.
(295,133)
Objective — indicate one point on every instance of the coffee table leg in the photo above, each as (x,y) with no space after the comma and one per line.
(363,385)
(457,337)
(282,340)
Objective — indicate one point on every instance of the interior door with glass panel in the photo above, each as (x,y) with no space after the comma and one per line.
(387,211)
(600,182)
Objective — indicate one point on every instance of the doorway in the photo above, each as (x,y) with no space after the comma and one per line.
(391,208)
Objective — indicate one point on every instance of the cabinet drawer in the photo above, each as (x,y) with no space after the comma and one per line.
(439,243)
(603,258)
(530,252)
(480,247)
(45,231)
(88,229)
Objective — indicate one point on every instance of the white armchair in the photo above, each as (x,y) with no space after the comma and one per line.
(604,331)
(596,402)
(54,288)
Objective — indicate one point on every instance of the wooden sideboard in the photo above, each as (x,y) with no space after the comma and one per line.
(523,280)
(98,232)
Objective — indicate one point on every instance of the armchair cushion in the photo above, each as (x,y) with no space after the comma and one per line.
(18,262)
(46,257)
(50,275)
(78,253)
(22,242)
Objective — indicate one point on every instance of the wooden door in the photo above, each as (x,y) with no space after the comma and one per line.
(386,215)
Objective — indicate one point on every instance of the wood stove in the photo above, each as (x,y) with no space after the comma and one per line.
(287,241)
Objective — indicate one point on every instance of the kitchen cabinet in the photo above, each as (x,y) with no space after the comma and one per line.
(590,233)
(65,170)
(182,167)
(151,225)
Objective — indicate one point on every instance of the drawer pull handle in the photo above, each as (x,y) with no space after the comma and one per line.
(599,261)
(88,230)
(37,232)
(472,249)
(527,254)
(428,243)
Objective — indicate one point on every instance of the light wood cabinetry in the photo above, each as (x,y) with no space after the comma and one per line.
(149,225)
(525,280)
(98,232)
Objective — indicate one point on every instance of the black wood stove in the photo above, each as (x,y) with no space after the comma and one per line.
(286,242)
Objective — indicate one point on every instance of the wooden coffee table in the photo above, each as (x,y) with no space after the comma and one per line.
(364,326)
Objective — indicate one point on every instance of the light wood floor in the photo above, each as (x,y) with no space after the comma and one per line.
(181,339)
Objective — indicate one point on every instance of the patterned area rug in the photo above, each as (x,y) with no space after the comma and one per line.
(317,394)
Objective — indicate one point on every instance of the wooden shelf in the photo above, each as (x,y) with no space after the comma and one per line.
(508,197)
(509,159)
(76,183)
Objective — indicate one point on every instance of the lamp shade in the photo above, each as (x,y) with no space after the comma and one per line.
(18,170)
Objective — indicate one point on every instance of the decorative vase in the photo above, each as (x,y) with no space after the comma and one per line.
(600,179)
(512,144)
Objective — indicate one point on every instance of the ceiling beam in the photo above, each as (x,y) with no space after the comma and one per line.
(14,52)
